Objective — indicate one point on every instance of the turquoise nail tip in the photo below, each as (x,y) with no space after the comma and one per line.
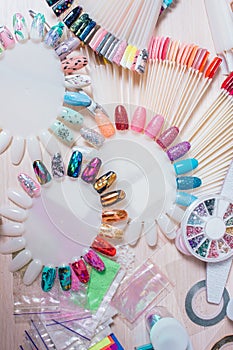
(184,199)
(76,99)
(64,274)
(188,182)
(75,164)
(185,165)
(48,278)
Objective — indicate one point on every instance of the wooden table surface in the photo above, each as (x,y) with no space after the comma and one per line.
(187,21)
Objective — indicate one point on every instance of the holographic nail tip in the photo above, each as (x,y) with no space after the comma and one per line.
(42,174)
(94,260)
(31,187)
(75,164)
(178,150)
(57,166)
(81,271)
(20,27)
(103,247)
(105,181)
(6,38)
(91,171)
(111,198)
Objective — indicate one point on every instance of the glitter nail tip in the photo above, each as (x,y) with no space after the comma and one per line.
(57,166)
(81,271)
(105,181)
(94,260)
(31,187)
(103,247)
(32,272)
(13,245)
(91,171)
(47,278)
(110,231)
(139,119)
(167,137)
(42,174)
(154,126)
(62,132)
(64,274)
(188,182)
(54,34)
(185,166)
(121,118)
(75,164)
(71,116)
(111,198)
(178,150)
(104,124)
(184,199)
(92,137)
(20,260)
(114,215)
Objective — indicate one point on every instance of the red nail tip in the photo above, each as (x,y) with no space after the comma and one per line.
(165,48)
(227,82)
(213,67)
(80,270)
(103,247)
(167,137)
(121,118)
(94,260)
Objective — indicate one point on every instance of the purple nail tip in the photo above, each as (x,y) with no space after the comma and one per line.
(90,172)
(178,150)
(94,260)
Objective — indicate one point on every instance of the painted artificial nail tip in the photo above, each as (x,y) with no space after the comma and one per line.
(38,27)
(121,118)
(139,119)
(154,126)
(6,38)
(72,16)
(104,124)
(51,2)
(94,260)
(61,6)
(141,61)
(62,132)
(186,165)
(111,198)
(105,181)
(184,199)
(64,274)
(74,98)
(71,116)
(73,64)
(1,50)
(47,278)
(188,182)
(77,81)
(42,174)
(66,47)
(103,247)
(75,164)
(167,137)
(76,25)
(31,187)
(81,271)
(92,137)
(57,166)
(54,34)
(91,170)
(114,215)
(20,28)
(178,150)
(110,231)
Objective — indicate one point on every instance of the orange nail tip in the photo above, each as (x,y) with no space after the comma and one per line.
(213,67)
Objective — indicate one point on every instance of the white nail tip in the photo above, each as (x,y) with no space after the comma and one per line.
(20,260)
(151,233)
(166,226)
(14,214)
(20,198)
(12,229)
(49,142)
(13,245)
(133,232)
(5,139)
(34,149)
(17,150)
(32,272)
(176,213)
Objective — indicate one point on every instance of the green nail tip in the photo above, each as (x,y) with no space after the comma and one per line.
(48,278)
(75,164)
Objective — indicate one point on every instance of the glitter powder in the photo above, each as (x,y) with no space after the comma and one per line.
(195,241)
(201,210)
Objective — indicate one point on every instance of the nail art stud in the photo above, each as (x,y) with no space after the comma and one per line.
(75,164)
(121,118)
(47,278)
(186,165)
(92,137)
(61,6)
(139,119)
(94,260)
(20,28)
(54,34)
(57,166)
(37,27)
(105,181)
(154,126)
(31,187)
(167,137)
(178,150)
(91,171)
(42,174)
(6,38)
(81,271)
(64,274)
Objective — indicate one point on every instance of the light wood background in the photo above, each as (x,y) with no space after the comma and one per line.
(187,22)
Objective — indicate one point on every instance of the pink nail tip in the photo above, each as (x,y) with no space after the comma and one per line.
(178,150)
(94,260)
(81,271)
(167,137)
(121,118)
(139,119)
(154,126)
(119,53)
(31,187)
(6,38)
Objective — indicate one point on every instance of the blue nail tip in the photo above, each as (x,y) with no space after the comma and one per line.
(48,278)
(75,164)
(185,165)
(188,182)
(184,199)
(76,99)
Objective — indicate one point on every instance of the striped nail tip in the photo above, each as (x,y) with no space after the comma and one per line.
(64,275)
(103,247)
(71,116)
(92,137)
(31,187)
(75,164)
(20,28)
(91,170)
(104,124)
(111,198)
(48,276)
(119,52)
(6,38)
(167,137)
(105,181)
(42,174)
(188,182)
(94,260)
(186,165)
(184,199)
(178,150)
(57,166)
(80,269)
(139,119)
(121,118)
